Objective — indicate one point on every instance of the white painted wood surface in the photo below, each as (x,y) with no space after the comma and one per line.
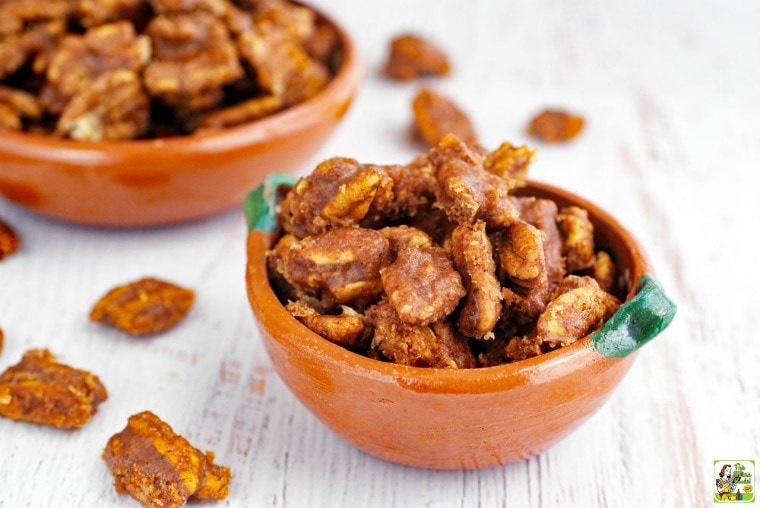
(671,93)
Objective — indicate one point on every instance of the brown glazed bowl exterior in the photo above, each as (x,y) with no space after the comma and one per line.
(168,180)
(440,418)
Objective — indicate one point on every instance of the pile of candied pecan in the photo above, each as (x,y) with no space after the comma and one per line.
(436,263)
(125,69)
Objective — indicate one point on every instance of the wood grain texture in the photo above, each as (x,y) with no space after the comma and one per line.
(671,148)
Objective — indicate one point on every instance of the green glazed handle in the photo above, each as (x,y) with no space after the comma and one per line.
(260,205)
(636,322)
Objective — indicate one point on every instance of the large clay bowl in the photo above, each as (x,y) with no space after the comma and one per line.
(453,419)
(161,181)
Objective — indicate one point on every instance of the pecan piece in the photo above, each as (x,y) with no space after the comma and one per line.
(193,58)
(161,469)
(466,191)
(473,257)
(436,115)
(143,307)
(348,329)
(339,192)
(572,315)
(115,106)
(80,59)
(554,126)
(40,390)
(578,237)
(422,285)
(9,240)
(437,345)
(412,56)
(340,266)
(510,162)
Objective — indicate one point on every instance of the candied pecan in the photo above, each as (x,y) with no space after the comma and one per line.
(9,118)
(422,285)
(604,272)
(296,19)
(161,469)
(414,187)
(578,237)
(17,15)
(322,44)
(521,348)
(437,345)
(339,192)
(435,116)
(412,56)
(236,20)
(542,214)
(572,315)
(401,237)
(40,390)
(555,126)
(282,66)
(97,12)
(193,58)
(23,103)
(38,41)
(611,302)
(146,306)
(340,266)
(473,257)
(467,192)
(521,310)
(9,240)
(80,59)
(348,329)
(2,340)
(520,249)
(115,106)
(510,162)
(245,111)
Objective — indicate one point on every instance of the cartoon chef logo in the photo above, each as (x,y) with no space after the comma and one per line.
(734,481)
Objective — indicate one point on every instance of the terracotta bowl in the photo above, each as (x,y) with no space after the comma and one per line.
(161,181)
(455,419)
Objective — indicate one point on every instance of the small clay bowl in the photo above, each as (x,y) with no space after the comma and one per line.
(458,419)
(168,180)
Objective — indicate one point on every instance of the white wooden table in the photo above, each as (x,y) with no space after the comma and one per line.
(671,94)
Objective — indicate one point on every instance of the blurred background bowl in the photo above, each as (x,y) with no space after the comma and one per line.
(442,418)
(174,179)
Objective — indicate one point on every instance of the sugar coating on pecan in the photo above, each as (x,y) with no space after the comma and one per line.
(473,256)
(114,107)
(193,57)
(143,307)
(41,390)
(436,116)
(160,468)
(578,237)
(80,59)
(437,345)
(412,56)
(422,285)
(338,193)
(554,125)
(339,266)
